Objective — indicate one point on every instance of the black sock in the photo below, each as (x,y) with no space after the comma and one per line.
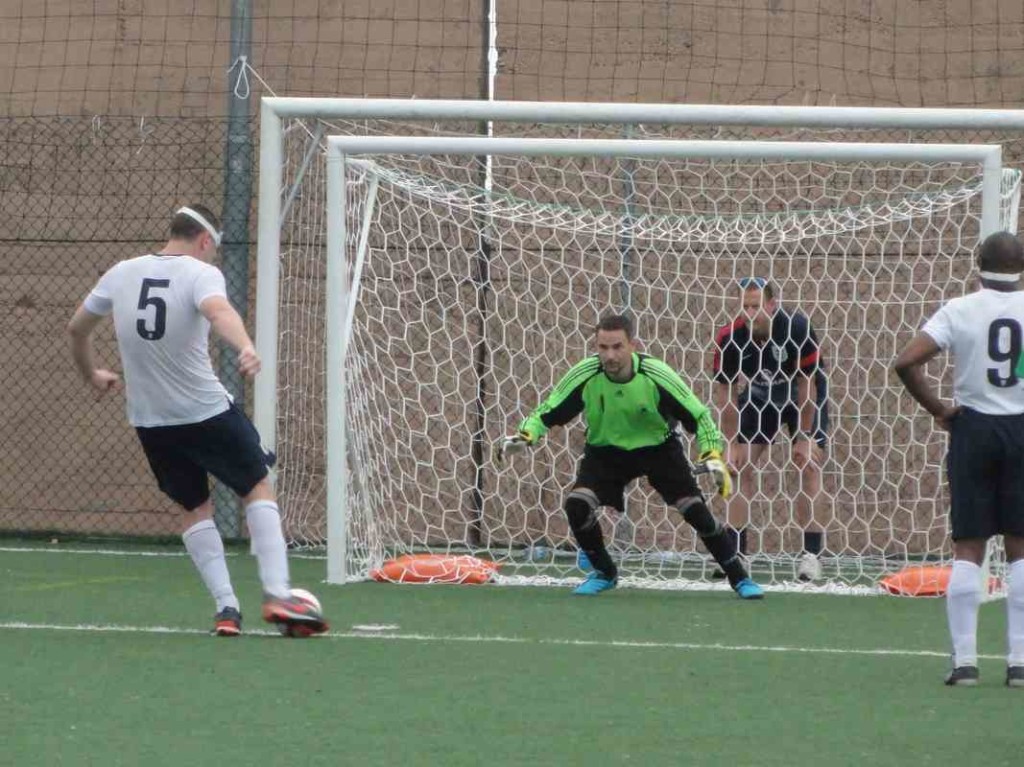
(587,532)
(813,542)
(722,546)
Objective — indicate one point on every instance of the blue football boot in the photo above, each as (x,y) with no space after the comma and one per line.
(747,589)
(595,584)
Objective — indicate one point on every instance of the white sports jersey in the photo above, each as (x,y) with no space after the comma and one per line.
(163,337)
(983,332)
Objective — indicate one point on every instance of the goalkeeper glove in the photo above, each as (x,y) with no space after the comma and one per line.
(715,466)
(509,446)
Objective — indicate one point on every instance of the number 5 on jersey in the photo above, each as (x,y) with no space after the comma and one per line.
(147,300)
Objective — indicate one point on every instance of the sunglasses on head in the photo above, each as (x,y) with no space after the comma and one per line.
(753,282)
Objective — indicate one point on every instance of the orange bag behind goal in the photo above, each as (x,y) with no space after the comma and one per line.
(924,581)
(436,568)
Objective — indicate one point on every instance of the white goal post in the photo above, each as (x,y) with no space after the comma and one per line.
(391,194)
(342,287)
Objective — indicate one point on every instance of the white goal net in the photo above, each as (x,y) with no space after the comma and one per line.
(476,284)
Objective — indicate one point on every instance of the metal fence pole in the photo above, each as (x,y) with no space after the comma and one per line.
(235,213)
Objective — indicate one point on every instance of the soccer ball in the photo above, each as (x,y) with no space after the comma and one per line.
(299,631)
(308,597)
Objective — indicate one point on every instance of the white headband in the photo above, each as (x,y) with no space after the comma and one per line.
(201,220)
(1000,276)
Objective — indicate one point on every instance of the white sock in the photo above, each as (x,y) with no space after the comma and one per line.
(962,603)
(269,547)
(204,545)
(1015,614)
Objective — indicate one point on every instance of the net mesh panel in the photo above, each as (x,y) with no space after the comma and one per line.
(473,301)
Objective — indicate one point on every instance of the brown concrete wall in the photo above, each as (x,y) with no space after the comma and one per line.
(111,114)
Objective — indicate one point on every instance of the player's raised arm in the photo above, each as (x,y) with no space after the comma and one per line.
(682,404)
(564,403)
(679,402)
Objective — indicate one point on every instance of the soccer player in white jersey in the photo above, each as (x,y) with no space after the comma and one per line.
(164,305)
(984,332)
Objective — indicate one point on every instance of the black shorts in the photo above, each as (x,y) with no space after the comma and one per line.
(607,471)
(226,446)
(985,466)
(761,419)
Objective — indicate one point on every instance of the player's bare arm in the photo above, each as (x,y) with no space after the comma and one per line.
(562,405)
(909,366)
(80,329)
(805,405)
(228,325)
(723,397)
(805,449)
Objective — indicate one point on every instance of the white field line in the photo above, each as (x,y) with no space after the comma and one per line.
(104,552)
(455,638)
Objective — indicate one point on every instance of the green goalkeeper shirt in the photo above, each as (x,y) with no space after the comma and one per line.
(638,413)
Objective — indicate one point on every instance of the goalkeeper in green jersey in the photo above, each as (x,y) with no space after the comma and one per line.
(631,403)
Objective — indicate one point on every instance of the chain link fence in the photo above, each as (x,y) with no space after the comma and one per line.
(78,195)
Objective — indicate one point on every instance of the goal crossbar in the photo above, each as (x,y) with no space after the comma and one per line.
(910,118)
(273,110)
(667,148)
